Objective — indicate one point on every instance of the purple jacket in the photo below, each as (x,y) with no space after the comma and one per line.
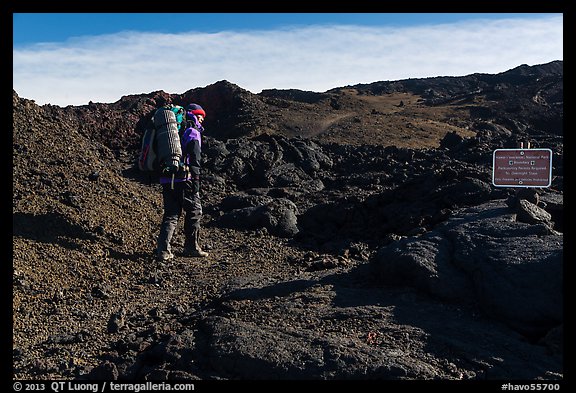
(191,143)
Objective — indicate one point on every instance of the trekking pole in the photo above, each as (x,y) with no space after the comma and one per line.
(172,183)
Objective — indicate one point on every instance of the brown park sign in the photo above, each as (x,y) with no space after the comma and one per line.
(522,168)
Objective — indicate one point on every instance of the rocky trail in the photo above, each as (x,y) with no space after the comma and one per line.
(330,258)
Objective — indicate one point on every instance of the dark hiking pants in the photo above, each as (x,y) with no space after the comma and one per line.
(180,199)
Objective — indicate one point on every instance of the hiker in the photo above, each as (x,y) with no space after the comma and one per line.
(181,189)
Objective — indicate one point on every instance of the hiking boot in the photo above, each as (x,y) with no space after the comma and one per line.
(164,256)
(192,245)
(194,252)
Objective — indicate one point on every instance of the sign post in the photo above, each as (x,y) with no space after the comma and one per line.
(522,167)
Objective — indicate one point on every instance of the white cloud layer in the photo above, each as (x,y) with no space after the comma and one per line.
(316,58)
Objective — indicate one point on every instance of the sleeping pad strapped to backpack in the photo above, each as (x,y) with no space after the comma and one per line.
(161,142)
(167,138)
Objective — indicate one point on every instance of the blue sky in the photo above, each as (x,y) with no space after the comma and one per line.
(74,58)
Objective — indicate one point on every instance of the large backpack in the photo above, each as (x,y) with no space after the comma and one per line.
(160,141)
